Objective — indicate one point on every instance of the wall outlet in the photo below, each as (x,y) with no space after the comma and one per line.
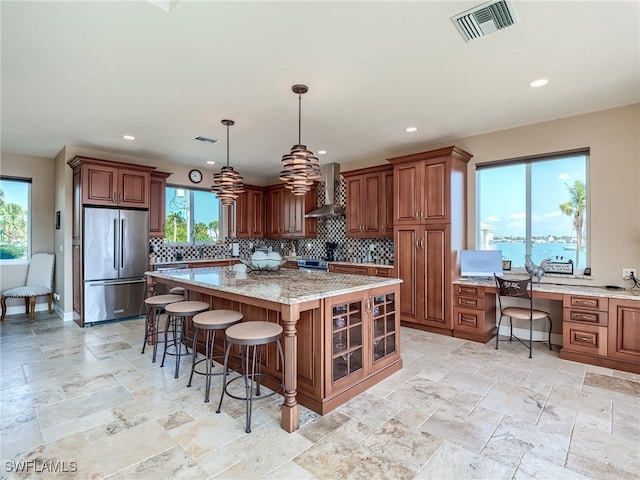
(626,273)
(56,296)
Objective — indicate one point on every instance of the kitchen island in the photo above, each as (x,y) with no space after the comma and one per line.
(341,332)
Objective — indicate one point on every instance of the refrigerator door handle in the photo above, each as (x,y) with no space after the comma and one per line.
(115,244)
(122,243)
(118,282)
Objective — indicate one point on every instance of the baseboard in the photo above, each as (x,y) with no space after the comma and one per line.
(41,307)
(523,334)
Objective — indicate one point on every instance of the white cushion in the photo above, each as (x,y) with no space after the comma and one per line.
(28,291)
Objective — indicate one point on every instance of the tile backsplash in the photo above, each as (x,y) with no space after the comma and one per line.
(330,229)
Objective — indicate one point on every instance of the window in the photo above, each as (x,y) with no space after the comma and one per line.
(15,227)
(192,215)
(535,206)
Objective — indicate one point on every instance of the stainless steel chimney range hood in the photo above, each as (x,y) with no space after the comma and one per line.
(330,208)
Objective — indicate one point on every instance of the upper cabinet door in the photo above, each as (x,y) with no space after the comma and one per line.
(372,201)
(99,185)
(407,188)
(435,204)
(133,188)
(369,207)
(353,208)
(157,207)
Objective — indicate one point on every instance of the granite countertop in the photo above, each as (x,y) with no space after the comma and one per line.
(623,294)
(286,286)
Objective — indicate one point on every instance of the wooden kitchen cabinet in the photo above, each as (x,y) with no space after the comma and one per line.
(285,213)
(369,202)
(363,335)
(361,270)
(111,184)
(474,313)
(584,324)
(425,270)
(249,213)
(103,183)
(624,331)
(429,186)
(157,203)
(429,209)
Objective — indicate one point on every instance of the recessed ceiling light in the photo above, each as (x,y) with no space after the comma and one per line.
(539,83)
(322,152)
(210,162)
(128,137)
(411,129)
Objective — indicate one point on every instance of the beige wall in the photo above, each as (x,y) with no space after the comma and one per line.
(41,172)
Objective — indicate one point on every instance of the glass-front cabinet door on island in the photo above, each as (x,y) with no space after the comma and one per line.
(385,332)
(362,335)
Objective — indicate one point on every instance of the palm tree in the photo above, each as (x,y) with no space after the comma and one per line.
(576,207)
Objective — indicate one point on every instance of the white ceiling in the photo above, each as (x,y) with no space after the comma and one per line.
(86,73)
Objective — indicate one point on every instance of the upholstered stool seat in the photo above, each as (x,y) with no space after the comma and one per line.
(177,314)
(210,321)
(177,291)
(251,337)
(155,305)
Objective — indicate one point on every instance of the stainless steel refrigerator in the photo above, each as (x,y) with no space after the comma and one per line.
(116,246)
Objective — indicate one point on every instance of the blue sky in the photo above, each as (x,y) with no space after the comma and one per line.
(16,192)
(501,194)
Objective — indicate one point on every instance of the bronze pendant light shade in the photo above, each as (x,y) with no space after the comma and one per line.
(301,167)
(227,184)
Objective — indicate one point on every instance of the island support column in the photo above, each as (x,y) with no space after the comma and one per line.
(290,410)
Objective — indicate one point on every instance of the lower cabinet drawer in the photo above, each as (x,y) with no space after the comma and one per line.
(579,337)
(586,316)
(469,320)
(469,302)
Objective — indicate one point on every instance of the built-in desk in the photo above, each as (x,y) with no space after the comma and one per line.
(599,326)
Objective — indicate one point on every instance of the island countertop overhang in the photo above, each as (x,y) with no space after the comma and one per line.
(286,286)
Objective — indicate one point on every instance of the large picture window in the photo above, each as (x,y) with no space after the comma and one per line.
(535,206)
(15,204)
(192,215)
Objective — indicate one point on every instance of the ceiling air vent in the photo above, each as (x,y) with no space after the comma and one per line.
(200,138)
(485,19)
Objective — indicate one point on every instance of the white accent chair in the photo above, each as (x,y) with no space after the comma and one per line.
(39,282)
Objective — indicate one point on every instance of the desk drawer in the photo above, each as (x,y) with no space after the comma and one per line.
(469,320)
(586,303)
(582,338)
(585,316)
(469,290)
(469,302)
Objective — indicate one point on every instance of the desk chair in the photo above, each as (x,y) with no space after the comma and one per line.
(519,289)
(39,282)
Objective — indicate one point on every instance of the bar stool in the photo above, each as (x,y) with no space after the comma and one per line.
(210,322)
(155,305)
(177,314)
(250,336)
(177,291)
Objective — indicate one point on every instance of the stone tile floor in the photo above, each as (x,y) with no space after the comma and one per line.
(84,403)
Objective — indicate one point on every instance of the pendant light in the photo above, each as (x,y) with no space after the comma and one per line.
(301,167)
(227,184)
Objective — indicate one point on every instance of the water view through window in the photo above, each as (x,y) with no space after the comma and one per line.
(536,207)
